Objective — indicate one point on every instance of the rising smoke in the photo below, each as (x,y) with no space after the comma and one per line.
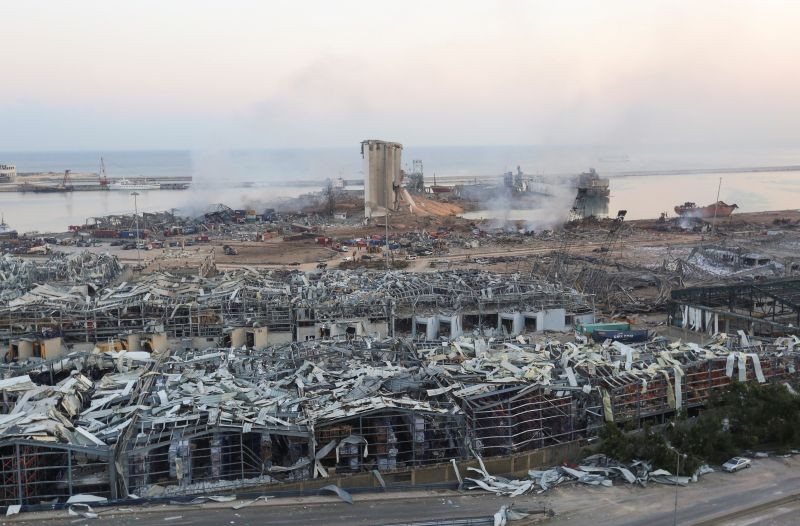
(531,211)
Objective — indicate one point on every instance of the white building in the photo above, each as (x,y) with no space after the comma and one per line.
(382,176)
(8,173)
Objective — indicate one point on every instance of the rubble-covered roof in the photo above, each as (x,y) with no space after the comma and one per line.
(295,387)
(18,276)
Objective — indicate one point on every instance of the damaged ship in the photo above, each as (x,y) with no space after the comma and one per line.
(718,209)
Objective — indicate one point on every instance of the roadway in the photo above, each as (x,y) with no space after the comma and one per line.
(766,495)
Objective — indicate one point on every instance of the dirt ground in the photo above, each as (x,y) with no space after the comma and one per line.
(275,253)
(645,242)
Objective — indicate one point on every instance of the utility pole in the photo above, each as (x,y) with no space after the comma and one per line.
(677,470)
(136,219)
(678,456)
(716,207)
(386,221)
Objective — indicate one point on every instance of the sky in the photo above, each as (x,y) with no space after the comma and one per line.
(272,74)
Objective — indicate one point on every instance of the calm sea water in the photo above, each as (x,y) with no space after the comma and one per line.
(276,174)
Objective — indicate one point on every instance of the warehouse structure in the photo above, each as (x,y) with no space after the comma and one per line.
(760,307)
(260,308)
(182,421)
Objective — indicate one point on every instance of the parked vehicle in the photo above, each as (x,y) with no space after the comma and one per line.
(129,246)
(229,250)
(411,257)
(736,464)
(322,265)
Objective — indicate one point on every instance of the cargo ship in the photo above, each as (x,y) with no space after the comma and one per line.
(127,184)
(64,186)
(6,232)
(718,209)
(592,185)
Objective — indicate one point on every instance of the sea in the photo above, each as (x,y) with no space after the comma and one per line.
(643,178)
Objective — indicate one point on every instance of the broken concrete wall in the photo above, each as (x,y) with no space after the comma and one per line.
(554,320)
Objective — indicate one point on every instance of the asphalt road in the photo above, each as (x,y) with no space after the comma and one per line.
(739,499)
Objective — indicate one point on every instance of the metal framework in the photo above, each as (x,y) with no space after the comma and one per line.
(763,307)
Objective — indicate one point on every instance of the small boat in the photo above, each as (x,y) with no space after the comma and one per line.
(127,184)
(439,189)
(718,209)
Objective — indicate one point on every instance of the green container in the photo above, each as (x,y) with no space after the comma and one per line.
(589,328)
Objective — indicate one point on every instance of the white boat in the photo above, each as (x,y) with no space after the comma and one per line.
(127,184)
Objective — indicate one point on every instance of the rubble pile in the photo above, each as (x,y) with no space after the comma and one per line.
(595,470)
(18,276)
(281,301)
(181,420)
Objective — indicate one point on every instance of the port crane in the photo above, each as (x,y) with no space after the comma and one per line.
(103,176)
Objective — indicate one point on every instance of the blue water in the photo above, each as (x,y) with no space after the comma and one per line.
(291,165)
(284,173)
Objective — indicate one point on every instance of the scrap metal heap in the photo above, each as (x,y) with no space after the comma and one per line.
(18,276)
(193,421)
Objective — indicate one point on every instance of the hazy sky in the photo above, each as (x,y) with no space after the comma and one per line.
(234,73)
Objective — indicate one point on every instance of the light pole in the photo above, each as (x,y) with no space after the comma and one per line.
(678,456)
(136,219)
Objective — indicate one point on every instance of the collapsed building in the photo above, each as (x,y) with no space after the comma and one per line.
(183,421)
(180,384)
(18,276)
(260,308)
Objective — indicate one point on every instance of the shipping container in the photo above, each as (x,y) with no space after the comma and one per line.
(131,234)
(589,328)
(104,233)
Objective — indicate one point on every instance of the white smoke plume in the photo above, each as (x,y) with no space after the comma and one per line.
(531,212)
